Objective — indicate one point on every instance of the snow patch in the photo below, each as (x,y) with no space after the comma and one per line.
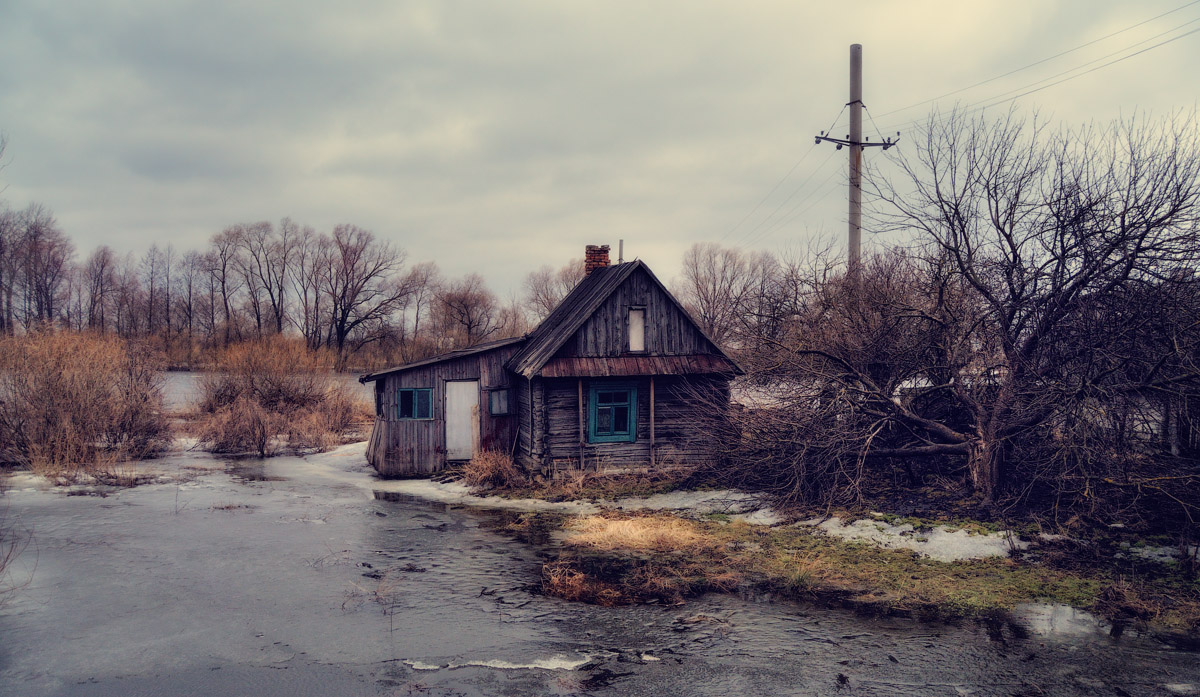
(942,543)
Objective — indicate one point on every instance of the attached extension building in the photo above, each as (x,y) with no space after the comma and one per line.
(618,376)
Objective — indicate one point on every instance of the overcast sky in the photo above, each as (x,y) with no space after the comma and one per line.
(500,136)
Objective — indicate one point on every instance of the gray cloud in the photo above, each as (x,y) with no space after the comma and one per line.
(500,136)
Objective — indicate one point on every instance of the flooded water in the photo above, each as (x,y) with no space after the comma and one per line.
(181,389)
(305,576)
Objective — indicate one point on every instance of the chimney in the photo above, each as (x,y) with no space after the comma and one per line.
(596,257)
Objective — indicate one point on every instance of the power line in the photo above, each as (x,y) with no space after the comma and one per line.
(749,234)
(780,183)
(1044,60)
(998,99)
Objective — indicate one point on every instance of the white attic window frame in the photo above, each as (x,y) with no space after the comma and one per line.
(637,329)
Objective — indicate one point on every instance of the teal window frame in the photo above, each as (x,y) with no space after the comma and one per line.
(617,433)
(415,403)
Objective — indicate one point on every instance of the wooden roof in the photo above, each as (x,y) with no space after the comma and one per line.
(579,305)
(478,348)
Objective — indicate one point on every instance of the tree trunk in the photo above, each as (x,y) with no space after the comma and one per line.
(984,466)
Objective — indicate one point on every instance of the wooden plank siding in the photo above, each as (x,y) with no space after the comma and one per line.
(414,447)
(669,330)
(682,431)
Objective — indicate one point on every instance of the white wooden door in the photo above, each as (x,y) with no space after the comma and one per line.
(462,419)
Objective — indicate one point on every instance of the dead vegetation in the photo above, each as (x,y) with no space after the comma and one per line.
(616,559)
(493,469)
(275,395)
(78,403)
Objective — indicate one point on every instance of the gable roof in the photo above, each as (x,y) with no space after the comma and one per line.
(579,305)
(478,348)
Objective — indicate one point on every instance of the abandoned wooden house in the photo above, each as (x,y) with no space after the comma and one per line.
(609,380)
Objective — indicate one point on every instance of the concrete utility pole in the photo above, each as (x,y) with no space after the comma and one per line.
(855,105)
(856,144)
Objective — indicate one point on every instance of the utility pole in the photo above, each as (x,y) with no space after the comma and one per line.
(856,144)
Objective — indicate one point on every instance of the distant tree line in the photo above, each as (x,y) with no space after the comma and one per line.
(346,290)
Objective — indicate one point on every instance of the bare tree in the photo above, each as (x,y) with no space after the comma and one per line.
(1032,231)
(223,255)
(546,287)
(363,285)
(46,254)
(10,266)
(467,311)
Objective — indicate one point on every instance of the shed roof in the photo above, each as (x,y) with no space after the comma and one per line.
(478,348)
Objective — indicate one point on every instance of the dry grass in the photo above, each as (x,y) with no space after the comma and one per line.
(659,533)
(493,469)
(268,396)
(72,403)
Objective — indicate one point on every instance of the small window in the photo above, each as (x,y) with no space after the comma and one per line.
(414,404)
(613,414)
(498,402)
(637,329)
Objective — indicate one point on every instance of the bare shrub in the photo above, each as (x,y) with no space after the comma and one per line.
(242,427)
(493,469)
(76,401)
(278,373)
(266,394)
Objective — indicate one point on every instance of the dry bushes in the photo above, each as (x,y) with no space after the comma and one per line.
(492,469)
(71,402)
(268,395)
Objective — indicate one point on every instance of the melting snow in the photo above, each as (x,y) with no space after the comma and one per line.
(942,543)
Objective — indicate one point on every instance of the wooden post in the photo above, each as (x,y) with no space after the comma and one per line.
(651,420)
(581,423)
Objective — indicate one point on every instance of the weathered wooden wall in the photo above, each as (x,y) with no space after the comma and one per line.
(669,331)
(414,447)
(681,432)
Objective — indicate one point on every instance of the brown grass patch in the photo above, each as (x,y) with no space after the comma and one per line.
(75,402)
(644,533)
(493,469)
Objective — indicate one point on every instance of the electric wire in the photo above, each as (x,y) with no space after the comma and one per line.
(996,100)
(782,180)
(815,195)
(1039,62)
(751,233)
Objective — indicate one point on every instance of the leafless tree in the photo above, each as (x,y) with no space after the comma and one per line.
(364,286)
(223,255)
(466,311)
(10,266)
(1032,233)
(546,287)
(45,255)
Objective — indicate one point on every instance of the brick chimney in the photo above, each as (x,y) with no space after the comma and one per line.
(595,257)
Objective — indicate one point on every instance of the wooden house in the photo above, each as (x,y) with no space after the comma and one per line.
(611,379)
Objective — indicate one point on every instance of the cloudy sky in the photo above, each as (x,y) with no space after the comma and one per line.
(500,136)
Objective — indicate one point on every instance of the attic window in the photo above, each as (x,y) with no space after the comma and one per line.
(637,329)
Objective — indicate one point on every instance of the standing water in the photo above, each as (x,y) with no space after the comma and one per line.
(303,576)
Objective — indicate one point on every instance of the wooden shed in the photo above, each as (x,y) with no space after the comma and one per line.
(609,380)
